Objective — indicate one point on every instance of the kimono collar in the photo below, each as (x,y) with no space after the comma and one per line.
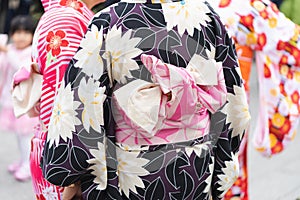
(151,1)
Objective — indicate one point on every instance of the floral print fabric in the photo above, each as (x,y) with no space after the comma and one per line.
(275,39)
(114,55)
(239,189)
(56,40)
(258,26)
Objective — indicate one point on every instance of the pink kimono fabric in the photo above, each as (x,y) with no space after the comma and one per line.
(56,40)
(182,113)
(8,66)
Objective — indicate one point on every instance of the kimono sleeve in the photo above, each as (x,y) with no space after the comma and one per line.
(57,44)
(277,62)
(232,119)
(275,39)
(76,134)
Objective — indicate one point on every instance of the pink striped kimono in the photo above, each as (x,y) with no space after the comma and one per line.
(56,40)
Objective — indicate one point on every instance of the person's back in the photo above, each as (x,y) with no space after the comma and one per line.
(140,106)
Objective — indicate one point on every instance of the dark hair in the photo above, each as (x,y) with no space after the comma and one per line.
(22,22)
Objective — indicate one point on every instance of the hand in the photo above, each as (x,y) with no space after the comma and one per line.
(72,192)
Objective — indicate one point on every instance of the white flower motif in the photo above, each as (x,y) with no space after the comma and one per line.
(209,178)
(287,107)
(231,173)
(197,149)
(88,57)
(63,118)
(272,94)
(290,87)
(49,193)
(179,14)
(237,111)
(92,96)
(120,49)
(99,168)
(284,106)
(130,167)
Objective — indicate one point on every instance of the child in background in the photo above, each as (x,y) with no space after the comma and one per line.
(13,56)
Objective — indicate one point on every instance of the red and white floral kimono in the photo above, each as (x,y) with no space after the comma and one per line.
(258,26)
(56,40)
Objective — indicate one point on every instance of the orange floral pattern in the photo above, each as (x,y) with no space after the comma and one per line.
(258,25)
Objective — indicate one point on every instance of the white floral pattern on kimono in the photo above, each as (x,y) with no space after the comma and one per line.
(162,94)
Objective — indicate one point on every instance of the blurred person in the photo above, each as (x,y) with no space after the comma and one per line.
(56,39)
(263,33)
(13,56)
(152,106)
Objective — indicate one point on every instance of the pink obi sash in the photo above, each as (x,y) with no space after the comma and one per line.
(174,108)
